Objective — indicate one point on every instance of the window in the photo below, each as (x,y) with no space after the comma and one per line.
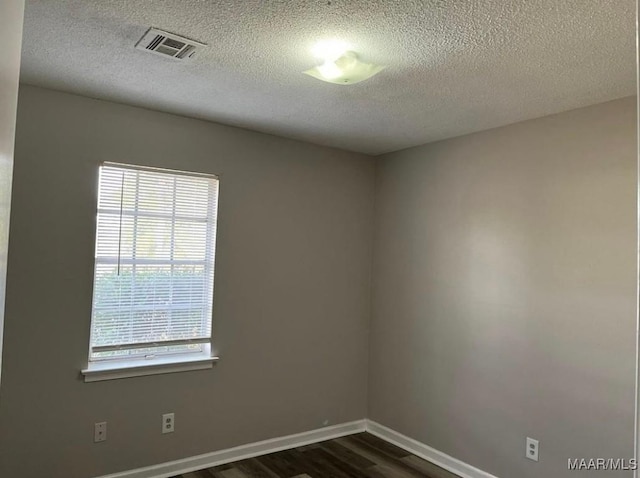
(154,268)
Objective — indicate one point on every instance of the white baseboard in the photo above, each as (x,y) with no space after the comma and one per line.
(194,463)
(242,452)
(436,457)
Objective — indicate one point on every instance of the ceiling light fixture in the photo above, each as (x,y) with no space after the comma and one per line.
(340,66)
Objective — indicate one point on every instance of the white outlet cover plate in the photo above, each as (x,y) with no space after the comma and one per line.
(99,432)
(532,449)
(168,423)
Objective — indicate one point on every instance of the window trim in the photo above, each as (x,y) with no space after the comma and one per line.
(136,366)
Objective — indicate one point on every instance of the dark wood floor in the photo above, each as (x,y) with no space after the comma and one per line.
(358,456)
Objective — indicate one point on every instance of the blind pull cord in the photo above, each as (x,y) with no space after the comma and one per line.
(120,225)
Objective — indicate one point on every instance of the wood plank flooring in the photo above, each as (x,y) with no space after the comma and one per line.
(354,456)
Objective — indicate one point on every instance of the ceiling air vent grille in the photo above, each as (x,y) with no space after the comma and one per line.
(167,44)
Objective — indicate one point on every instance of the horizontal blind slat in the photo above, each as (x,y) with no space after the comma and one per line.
(165,343)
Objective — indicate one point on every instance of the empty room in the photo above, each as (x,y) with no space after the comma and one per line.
(318,239)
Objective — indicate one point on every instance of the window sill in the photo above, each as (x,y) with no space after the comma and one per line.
(99,371)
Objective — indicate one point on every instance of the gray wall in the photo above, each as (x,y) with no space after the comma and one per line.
(504,292)
(503,306)
(292,291)
(11,13)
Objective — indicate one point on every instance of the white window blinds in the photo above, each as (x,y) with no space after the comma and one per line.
(154,262)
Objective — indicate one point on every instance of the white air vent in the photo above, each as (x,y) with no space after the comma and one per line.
(167,44)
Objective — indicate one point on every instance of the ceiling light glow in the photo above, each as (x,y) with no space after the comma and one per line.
(346,69)
(330,50)
(329,70)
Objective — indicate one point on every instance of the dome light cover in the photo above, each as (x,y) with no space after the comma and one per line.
(343,68)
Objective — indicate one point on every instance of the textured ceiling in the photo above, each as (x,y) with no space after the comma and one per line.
(454,66)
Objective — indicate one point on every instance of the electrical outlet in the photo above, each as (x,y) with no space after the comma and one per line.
(168,422)
(99,432)
(532,449)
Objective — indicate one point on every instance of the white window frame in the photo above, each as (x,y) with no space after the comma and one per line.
(115,368)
